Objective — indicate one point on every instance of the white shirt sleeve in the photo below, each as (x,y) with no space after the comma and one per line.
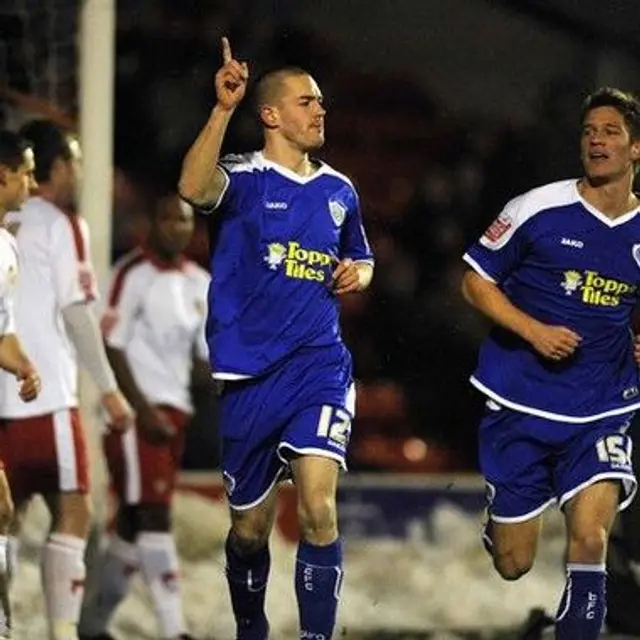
(118,320)
(73,274)
(7,317)
(201,348)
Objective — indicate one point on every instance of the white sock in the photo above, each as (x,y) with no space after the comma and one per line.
(5,615)
(63,575)
(159,566)
(13,551)
(113,573)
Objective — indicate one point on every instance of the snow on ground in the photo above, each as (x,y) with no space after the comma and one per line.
(439,578)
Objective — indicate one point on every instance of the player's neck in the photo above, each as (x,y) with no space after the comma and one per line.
(167,258)
(48,193)
(3,214)
(289,158)
(612,199)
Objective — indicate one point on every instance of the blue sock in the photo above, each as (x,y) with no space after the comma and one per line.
(247,578)
(583,606)
(318,581)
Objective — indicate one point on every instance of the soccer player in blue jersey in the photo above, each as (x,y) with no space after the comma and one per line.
(289,240)
(558,272)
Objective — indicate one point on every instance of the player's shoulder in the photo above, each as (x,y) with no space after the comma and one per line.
(194,270)
(541,199)
(549,196)
(7,239)
(128,272)
(328,170)
(196,274)
(130,264)
(36,211)
(242,162)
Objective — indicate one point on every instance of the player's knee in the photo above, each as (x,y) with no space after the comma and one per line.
(513,564)
(75,515)
(588,545)
(317,516)
(7,513)
(249,535)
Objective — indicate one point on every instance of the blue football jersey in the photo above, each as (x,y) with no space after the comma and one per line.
(563,262)
(277,239)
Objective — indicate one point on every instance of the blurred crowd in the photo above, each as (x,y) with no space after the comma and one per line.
(429,182)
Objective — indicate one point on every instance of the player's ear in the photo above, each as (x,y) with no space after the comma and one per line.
(269,116)
(58,167)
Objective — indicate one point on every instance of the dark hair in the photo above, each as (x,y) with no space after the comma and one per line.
(269,84)
(48,142)
(625,103)
(12,148)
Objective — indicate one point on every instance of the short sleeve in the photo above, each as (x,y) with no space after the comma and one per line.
(502,246)
(117,322)
(200,343)
(7,316)
(73,274)
(353,238)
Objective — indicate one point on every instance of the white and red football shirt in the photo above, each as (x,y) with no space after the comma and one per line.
(156,314)
(8,275)
(55,272)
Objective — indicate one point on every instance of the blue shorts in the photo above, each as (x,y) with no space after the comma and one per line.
(530,462)
(303,407)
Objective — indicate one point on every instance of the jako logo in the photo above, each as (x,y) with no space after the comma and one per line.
(569,242)
(277,205)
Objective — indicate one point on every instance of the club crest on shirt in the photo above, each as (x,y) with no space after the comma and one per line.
(635,252)
(12,275)
(275,256)
(338,212)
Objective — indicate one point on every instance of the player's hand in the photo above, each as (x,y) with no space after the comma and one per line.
(636,349)
(554,343)
(346,278)
(155,425)
(29,384)
(231,79)
(120,414)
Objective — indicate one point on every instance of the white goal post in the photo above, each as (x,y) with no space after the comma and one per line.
(96,107)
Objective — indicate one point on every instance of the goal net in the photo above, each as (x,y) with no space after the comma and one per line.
(39,60)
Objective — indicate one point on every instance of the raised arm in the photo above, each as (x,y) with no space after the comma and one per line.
(202,182)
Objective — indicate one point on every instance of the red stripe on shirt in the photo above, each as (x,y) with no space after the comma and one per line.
(121,273)
(78,238)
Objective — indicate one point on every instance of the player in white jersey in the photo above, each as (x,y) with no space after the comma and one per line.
(16,180)
(46,449)
(154,329)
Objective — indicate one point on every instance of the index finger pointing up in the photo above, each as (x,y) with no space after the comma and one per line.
(226,51)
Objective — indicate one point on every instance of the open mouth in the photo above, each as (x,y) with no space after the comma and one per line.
(598,156)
